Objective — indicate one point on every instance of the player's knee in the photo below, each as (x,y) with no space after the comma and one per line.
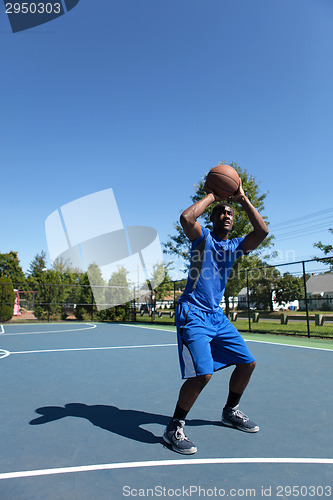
(247,367)
(251,366)
(203,380)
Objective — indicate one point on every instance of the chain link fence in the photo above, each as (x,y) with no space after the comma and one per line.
(297,299)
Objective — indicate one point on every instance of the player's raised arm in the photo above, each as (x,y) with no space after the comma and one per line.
(260,229)
(188,218)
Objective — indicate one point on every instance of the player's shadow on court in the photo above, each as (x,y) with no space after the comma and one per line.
(126,423)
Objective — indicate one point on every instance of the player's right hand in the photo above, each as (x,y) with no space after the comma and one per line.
(208,191)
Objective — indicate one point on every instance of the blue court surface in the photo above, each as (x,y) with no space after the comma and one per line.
(84,407)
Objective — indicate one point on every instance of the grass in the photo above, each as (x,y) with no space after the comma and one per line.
(289,329)
(263,326)
(163,320)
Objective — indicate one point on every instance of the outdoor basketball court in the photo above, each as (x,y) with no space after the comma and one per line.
(85,406)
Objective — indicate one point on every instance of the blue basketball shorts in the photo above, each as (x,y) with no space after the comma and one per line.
(207,342)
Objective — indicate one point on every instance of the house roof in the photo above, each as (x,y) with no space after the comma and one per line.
(320,283)
(317,284)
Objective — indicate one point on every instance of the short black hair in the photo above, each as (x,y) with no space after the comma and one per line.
(218,207)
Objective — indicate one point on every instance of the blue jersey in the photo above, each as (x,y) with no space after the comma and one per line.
(211,262)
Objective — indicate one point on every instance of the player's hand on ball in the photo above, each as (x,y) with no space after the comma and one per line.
(208,190)
(239,195)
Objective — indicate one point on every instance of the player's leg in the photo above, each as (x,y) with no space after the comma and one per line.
(196,367)
(240,377)
(231,415)
(174,432)
(229,348)
(190,391)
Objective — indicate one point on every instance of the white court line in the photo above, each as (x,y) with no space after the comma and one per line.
(149,328)
(290,345)
(246,340)
(90,327)
(94,348)
(163,463)
(4,353)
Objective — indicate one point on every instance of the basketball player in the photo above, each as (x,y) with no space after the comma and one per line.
(207,341)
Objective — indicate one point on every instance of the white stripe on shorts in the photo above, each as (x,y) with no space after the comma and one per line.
(189,369)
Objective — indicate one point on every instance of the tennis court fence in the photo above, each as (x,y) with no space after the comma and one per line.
(290,299)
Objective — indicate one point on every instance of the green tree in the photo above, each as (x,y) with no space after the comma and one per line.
(98,285)
(327,249)
(38,267)
(289,288)
(118,291)
(64,266)
(51,295)
(71,288)
(85,307)
(11,268)
(7,299)
(262,282)
(56,288)
(117,297)
(95,296)
(179,244)
(161,275)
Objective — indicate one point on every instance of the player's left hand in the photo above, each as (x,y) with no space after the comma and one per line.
(239,195)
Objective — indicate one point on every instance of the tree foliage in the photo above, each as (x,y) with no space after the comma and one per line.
(262,282)
(326,249)
(289,288)
(11,268)
(50,295)
(65,266)
(85,307)
(56,292)
(7,298)
(98,304)
(119,292)
(38,267)
(161,276)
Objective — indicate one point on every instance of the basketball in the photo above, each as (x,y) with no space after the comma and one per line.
(223,180)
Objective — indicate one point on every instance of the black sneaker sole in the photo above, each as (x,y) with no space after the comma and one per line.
(189,451)
(240,428)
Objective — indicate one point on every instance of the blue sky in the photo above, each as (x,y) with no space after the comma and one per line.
(145,96)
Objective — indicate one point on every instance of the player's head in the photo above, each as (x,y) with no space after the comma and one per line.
(222,217)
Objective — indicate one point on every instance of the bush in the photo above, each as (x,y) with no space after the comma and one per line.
(325,307)
(7,298)
(82,313)
(117,313)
